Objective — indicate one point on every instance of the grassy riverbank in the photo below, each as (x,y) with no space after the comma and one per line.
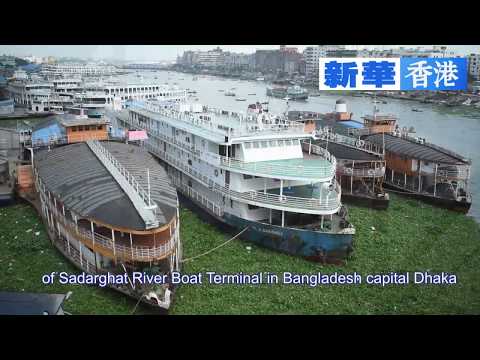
(410,236)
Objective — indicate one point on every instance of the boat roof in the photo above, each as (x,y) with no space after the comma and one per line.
(21,303)
(75,175)
(300,115)
(68,120)
(423,151)
(351,123)
(341,151)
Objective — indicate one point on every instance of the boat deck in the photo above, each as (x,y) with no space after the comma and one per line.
(307,168)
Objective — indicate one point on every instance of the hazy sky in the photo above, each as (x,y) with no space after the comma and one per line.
(163,52)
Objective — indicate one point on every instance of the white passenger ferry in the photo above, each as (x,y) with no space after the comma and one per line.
(247,170)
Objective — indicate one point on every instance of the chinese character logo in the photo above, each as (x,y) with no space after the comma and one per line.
(378,73)
(446,72)
(340,74)
(419,73)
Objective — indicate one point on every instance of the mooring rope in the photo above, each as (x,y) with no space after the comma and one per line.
(215,248)
(196,257)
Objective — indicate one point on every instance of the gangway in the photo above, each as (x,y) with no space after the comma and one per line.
(138,196)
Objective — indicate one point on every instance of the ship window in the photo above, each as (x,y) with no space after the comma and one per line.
(281,143)
(256,145)
(247,145)
(273,143)
(252,207)
(288,142)
(264,144)
(296,142)
(74,128)
(80,128)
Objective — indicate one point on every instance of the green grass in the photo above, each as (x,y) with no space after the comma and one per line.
(410,236)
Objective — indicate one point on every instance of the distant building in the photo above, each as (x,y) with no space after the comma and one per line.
(6,60)
(312,55)
(286,59)
(474,66)
(289,50)
(211,58)
(268,61)
(237,61)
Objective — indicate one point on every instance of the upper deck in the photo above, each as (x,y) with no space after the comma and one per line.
(222,126)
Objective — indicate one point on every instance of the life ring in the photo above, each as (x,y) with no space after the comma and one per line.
(216,172)
(371,172)
(348,171)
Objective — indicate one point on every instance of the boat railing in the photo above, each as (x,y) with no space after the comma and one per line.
(330,202)
(362,172)
(213,121)
(349,141)
(62,140)
(137,253)
(307,170)
(264,167)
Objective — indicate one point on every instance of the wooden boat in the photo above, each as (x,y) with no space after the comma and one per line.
(413,167)
(360,167)
(100,209)
(425,171)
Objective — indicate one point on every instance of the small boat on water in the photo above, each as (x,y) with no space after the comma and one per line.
(240,99)
(416,110)
(229,93)
(221,90)
(252,94)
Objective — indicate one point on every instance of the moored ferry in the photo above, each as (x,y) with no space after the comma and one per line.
(414,167)
(108,206)
(360,164)
(248,171)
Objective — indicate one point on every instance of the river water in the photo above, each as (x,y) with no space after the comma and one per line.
(457,129)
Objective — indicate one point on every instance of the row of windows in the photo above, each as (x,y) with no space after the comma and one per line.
(271,143)
(87,127)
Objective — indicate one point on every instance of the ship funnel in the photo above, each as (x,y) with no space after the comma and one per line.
(340,106)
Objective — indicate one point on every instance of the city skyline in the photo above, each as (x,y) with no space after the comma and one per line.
(170,52)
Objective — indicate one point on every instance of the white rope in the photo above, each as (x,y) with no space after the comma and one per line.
(215,248)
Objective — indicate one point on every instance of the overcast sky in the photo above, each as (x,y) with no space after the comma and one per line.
(163,52)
